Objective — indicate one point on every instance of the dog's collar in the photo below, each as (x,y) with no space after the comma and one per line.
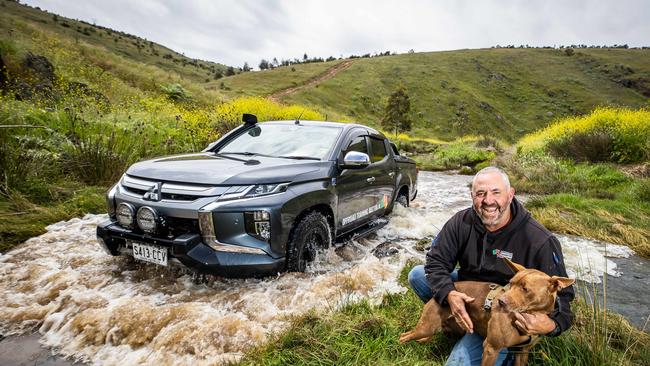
(494,291)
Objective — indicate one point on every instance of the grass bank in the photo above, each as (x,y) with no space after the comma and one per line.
(574,170)
(468,155)
(362,334)
(21,218)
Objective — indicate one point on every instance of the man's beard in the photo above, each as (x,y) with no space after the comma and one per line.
(487,221)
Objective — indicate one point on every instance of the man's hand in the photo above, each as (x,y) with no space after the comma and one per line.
(457,302)
(531,324)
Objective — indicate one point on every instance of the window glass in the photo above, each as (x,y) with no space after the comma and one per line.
(395,151)
(358,144)
(378,149)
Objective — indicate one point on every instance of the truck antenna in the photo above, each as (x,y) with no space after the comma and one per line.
(298,119)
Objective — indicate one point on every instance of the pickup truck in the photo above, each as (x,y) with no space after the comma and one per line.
(262,199)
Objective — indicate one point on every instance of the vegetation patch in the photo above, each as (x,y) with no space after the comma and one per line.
(597,200)
(618,135)
(469,154)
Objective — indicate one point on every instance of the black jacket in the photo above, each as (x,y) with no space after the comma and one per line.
(464,240)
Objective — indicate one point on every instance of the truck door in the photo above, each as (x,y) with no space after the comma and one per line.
(382,172)
(354,189)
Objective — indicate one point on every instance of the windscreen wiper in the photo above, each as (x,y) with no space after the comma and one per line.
(247,161)
(297,157)
(245,153)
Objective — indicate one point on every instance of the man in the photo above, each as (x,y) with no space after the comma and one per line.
(496,226)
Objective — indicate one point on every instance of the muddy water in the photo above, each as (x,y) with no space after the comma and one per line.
(106,310)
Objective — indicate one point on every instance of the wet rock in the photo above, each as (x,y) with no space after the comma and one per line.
(349,252)
(423,244)
(386,249)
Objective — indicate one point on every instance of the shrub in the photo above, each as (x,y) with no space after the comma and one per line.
(619,135)
(176,92)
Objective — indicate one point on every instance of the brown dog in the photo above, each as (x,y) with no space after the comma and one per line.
(531,291)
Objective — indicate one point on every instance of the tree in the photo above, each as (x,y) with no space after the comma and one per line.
(264,64)
(230,71)
(396,114)
(246,68)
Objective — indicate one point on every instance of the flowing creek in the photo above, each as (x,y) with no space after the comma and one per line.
(94,308)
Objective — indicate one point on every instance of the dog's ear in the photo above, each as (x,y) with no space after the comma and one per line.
(558,283)
(514,266)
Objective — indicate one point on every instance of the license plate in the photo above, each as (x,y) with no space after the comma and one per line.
(150,253)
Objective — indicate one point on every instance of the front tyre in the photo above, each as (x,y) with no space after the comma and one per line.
(311,233)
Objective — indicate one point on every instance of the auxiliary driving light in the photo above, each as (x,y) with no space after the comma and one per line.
(258,224)
(147,219)
(125,214)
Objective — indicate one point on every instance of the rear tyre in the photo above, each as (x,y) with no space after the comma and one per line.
(310,234)
(402,199)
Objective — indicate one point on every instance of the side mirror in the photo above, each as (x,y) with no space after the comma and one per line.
(355,160)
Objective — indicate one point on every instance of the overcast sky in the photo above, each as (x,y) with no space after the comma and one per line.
(238,31)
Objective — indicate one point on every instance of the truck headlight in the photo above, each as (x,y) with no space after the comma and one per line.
(125,213)
(264,189)
(256,190)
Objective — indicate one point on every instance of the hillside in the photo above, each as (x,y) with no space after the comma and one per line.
(13,16)
(502,92)
(505,92)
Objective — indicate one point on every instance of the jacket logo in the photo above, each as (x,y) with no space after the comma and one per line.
(153,194)
(502,254)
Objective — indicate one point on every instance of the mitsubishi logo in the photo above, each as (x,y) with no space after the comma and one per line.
(153,194)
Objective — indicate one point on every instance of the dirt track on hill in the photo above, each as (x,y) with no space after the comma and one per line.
(327,74)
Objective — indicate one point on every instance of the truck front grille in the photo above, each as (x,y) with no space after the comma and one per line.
(139,187)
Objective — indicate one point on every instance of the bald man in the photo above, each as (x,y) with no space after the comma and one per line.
(496,226)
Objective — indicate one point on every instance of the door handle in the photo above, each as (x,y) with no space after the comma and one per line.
(370,180)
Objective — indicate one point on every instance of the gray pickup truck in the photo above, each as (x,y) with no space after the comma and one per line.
(260,200)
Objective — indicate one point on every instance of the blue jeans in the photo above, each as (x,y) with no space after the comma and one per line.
(468,351)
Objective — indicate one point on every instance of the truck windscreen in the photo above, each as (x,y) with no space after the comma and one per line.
(284,140)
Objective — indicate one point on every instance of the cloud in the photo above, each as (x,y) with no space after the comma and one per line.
(233,32)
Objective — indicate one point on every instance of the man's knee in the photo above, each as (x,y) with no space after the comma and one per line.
(416,275)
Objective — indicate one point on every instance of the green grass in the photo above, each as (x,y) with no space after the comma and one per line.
(469,155)
(619,220)
(21,219)
(263,83)
(362,334)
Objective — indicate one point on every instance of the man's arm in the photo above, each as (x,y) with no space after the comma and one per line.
(551,262)
(440,262)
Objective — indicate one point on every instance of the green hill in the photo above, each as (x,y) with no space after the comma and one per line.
(500,92)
